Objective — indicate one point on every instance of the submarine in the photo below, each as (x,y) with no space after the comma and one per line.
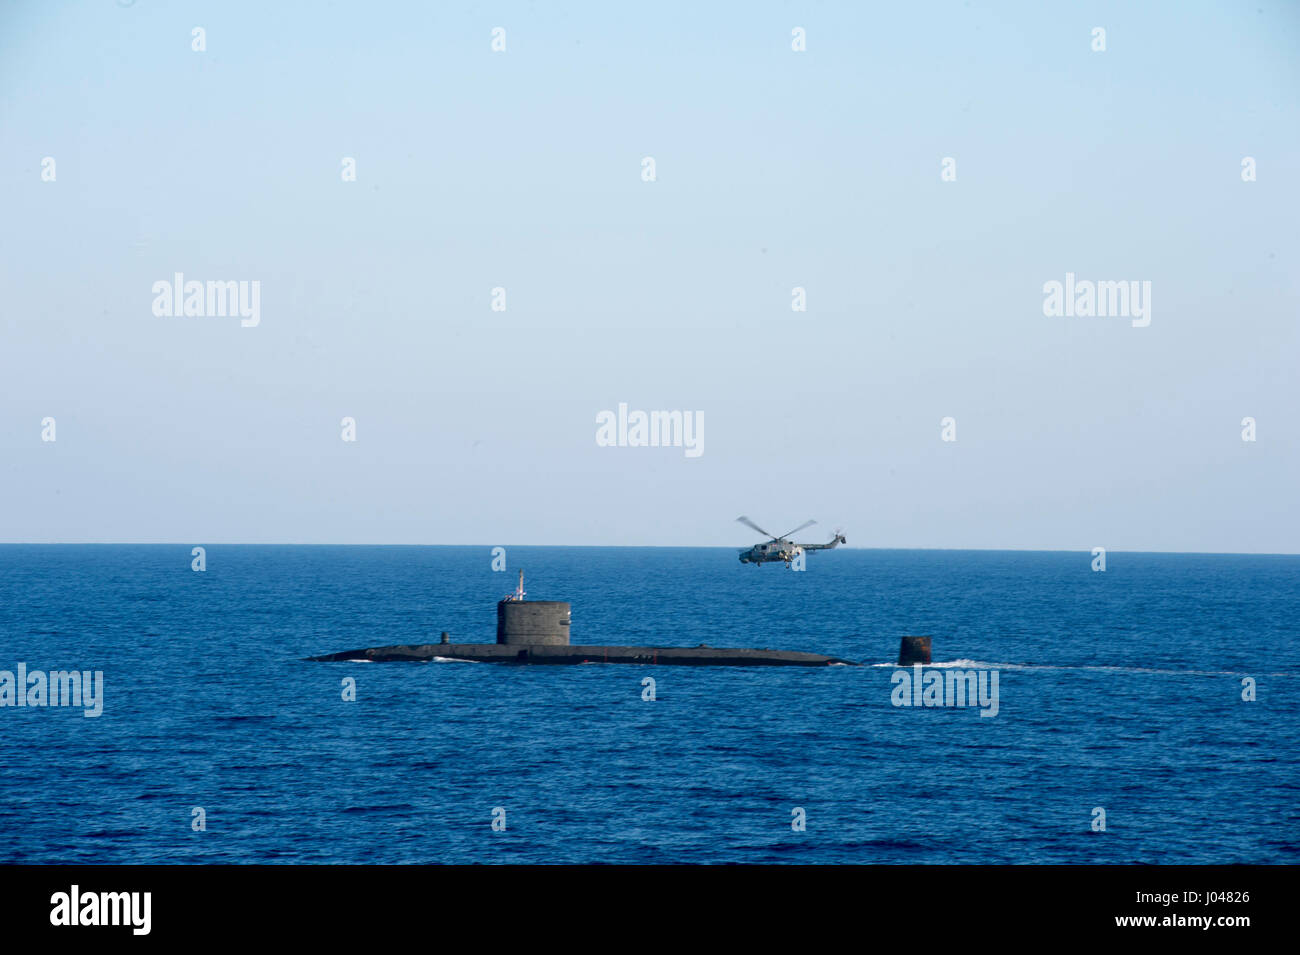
(537,632)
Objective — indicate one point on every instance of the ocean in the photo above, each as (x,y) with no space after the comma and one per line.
(1119,691)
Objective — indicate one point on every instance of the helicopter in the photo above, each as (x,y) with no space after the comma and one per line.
(782,548)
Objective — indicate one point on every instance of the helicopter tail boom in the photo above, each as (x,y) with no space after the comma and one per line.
(834,542)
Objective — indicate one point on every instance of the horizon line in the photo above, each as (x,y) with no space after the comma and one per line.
(983,550)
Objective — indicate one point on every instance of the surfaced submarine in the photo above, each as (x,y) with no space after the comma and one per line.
(537,631)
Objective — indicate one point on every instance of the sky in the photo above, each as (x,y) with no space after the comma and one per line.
(523,169)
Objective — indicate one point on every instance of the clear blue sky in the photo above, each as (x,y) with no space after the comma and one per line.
(775,169)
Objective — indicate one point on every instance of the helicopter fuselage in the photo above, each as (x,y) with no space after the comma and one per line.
(783,550)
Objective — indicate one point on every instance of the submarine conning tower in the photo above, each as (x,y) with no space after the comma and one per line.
(520,621)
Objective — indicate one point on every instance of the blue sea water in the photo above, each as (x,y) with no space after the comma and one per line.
(1120,690)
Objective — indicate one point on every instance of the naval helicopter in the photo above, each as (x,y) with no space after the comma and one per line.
(782,548)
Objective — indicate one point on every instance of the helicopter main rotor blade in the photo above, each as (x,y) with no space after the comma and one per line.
(799,528)
(748,523)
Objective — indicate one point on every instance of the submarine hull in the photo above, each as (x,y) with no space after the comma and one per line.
(560,655)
